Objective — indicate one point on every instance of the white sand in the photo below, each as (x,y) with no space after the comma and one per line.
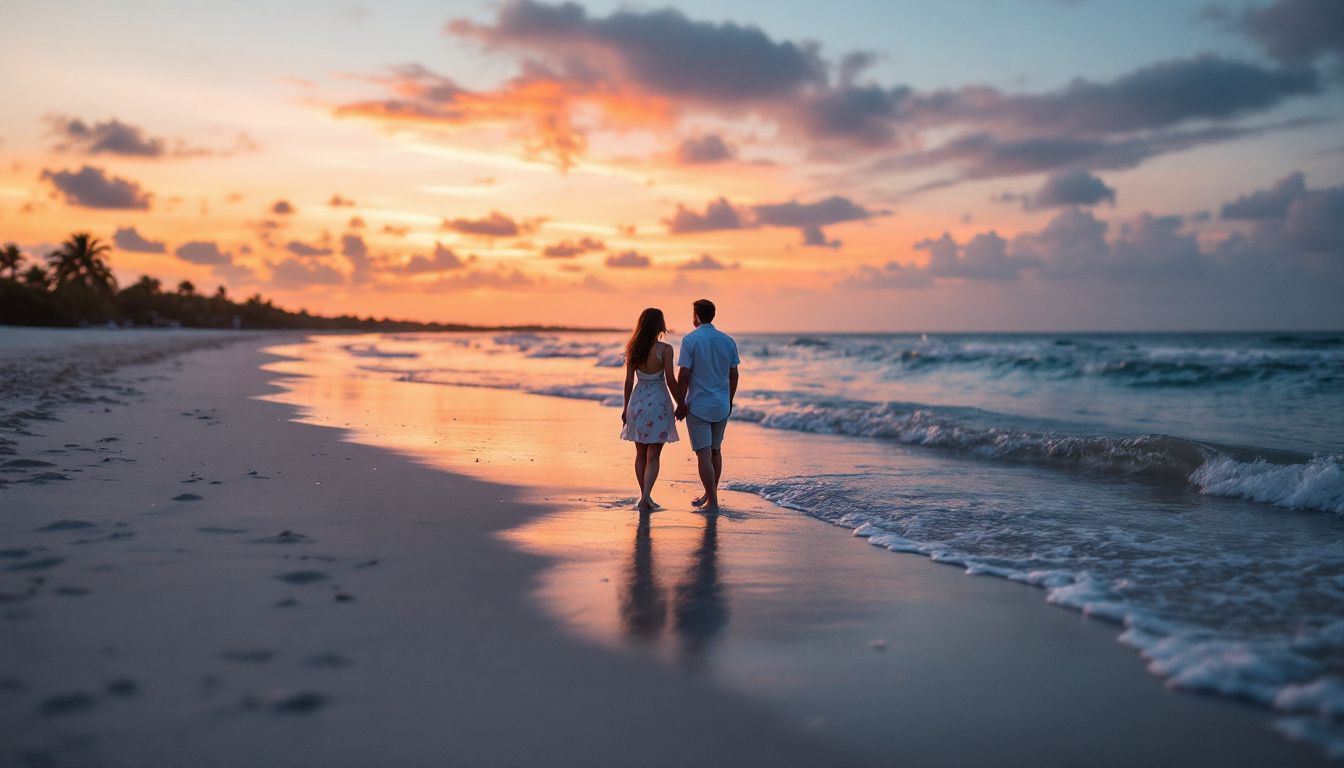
(148,631)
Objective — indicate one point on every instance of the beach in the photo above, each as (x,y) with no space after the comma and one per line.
(223,550)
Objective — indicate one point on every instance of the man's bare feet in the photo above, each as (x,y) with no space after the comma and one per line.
(654,505)
(645,505)
(698,501)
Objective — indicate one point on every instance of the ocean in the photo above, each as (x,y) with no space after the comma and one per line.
(1189,487)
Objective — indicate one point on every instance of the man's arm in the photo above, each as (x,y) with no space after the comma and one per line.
(732,386)
(683,384)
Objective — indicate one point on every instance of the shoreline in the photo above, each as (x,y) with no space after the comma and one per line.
(422,621)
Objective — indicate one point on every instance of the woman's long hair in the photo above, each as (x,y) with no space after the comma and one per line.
(647,329)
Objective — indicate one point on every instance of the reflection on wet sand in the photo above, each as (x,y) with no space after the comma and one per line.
(698,604)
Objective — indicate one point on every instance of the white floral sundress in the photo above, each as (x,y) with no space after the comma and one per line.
(649,417)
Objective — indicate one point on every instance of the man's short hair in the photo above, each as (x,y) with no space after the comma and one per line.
(704,309)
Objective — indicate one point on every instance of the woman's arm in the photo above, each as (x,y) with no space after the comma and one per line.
(629,385)
(669,376)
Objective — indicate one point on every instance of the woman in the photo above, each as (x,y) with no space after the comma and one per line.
(650,387)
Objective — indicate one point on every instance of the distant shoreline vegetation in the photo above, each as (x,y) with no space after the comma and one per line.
(76,287)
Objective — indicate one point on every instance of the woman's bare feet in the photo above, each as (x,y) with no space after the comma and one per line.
(698,501)
(645,505)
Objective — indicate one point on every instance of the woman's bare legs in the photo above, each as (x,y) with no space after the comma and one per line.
(652,454)
(641,461)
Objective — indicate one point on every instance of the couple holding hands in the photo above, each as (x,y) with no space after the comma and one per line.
(703,387)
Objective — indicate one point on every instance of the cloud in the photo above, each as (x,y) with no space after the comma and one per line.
(1074,186)
(91,187)
(718,215)
(442,260)
(356,251)
(337,201)
(707,262)
(494,225)
(395,231)
(662,51)
(294,273)
(1269,203)
(808,218)
(113,137)
(203,252)
(984,257)
(1297,31)
(700,150)
(1289,216)
(628,260)
(568,249)
(282,208)
(127,239)
(299,248)
(591,282)
(356,223)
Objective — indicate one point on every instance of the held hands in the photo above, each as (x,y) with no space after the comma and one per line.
(681,412)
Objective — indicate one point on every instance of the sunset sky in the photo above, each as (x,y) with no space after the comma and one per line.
(849,165)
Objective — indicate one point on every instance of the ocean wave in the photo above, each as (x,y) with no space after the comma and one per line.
(1317,484)
(1288,661)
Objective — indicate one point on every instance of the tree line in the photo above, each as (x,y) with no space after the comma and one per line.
(74,286)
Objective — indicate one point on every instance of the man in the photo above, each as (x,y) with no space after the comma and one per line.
(708,383)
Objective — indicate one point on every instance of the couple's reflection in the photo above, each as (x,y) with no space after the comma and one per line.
(698,608)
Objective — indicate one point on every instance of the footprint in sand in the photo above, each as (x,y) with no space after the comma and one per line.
(188,497)
(65,525)
(328,660)
(300,703)
(37,565)
(284,537)
(218,529)
(300,577)
(26,464)
(67,703)
(122,686)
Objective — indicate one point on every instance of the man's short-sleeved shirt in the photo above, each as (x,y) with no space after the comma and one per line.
(708,353)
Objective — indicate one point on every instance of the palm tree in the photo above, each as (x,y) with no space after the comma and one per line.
(82,260)
(186,288)
(10,257)
(36,277)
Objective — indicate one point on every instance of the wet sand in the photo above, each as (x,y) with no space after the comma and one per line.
(210,582)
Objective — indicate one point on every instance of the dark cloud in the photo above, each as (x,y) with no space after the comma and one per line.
(718,215)
(203,252)
(111,137)
(662,50)
(1074,186)
(699,150)
(1297,31)
(356,251)
(337,201)
(1155,96)
(808,218)
(568,249)
(494,225)
(282,208)
(91,187)
(127,239)
(628,260)
(296,273)
(441,260)
(300,248)
(1269,203)
(707,262)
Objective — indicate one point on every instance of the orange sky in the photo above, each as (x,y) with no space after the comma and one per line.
(433,191)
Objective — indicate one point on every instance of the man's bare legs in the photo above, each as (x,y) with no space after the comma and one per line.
(652,459)
(717,459)
(711,466)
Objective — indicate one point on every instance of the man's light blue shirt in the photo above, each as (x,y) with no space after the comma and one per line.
(708,353)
